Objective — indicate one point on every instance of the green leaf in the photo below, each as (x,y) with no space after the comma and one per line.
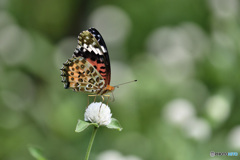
(114,125)
(36,153)
(95,124)
(81,125)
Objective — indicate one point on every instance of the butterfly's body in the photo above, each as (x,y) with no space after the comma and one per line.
(89,69)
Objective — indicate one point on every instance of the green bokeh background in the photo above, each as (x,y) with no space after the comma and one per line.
(185,55)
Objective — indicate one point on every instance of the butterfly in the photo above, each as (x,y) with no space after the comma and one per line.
(89,68)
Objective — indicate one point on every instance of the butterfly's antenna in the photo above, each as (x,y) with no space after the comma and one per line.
(117,86)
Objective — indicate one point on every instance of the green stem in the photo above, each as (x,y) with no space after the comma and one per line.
(90,143)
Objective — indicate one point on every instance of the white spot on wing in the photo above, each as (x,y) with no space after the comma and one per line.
(95,51)
(103,49)
(89,48)
(99,52)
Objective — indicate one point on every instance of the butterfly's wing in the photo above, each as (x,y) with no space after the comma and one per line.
(80,75)
(92,47)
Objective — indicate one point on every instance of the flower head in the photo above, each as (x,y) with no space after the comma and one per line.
(112,154)
(99,113)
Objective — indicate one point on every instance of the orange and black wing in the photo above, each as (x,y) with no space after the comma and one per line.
(92,47)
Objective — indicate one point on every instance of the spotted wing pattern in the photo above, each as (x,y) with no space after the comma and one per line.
(80,75)
(92,47)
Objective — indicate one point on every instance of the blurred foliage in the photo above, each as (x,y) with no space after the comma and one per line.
(185,55)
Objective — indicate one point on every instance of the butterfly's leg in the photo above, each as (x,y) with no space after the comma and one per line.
(91,96)
(108,98)
(102,99)
(113,97)
(88,101)
(95,98)
(105,96)
(100,108)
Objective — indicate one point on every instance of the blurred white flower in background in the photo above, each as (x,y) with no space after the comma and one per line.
(223,8)
(234,138)
(6,19)
(198,129)
(188,36)
(177,48)
(4,4)
(223,40)
(112,21)
(115,155)
(15,43)
(177,63)
(98,112)
(218,108)
(224,56)
(214,158)
(179,111)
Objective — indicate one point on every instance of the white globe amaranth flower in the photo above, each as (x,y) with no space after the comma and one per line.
(98,112)
(113,154)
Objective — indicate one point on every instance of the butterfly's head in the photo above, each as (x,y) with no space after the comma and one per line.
(110,88)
